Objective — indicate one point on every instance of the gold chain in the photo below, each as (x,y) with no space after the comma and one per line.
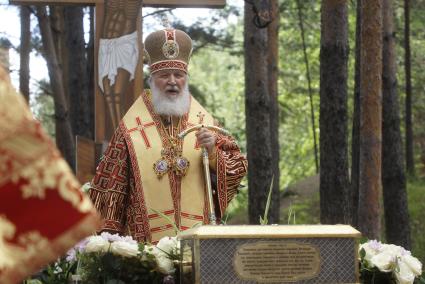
(170,134)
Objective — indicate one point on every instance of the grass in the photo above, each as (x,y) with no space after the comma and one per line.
(306,211)
(300,211)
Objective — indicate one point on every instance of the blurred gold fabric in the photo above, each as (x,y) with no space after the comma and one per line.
(43,213)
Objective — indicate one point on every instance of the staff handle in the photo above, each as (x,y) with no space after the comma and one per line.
(206,166)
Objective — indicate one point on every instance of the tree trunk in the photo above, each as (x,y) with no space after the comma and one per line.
(333,113)
(257,110)
(310,91)
(64,136)
(355,140)
(78,88)
(25,49)
(370,119)
(393,177)
(57,25)
(410,161)
(273,74)
(90,73)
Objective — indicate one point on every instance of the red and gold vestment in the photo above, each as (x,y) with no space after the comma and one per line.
(128,192)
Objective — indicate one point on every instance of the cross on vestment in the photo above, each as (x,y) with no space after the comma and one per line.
(113,100)
(141,128)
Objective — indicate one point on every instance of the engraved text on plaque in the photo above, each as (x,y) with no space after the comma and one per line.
(275,261)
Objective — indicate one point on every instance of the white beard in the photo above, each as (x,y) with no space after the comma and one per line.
(165,105)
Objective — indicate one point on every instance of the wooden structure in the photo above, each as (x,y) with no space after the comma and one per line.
(88,151)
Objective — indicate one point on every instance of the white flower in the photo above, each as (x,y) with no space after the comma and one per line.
(168,245)
(71,255)
(110,237)
(413,263)
(392,258)
(124,248)
(371,248)
(153,250)
(393,249)
(57,269)
(384,261)
(129,239)
(97,244)
(404,274)
(149,249)
(165,265)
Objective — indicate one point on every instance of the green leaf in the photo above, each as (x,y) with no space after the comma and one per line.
(264,220)
(33,281)
(290,213)
(363,240)
(176,230)
(141,247)
(362,253)
(198,224)
(224,221)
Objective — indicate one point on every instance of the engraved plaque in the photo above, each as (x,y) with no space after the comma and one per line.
(276,261)
(249,254)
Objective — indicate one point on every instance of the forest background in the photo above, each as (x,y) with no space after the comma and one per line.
(217,79)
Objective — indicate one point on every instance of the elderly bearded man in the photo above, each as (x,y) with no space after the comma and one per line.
(147,169)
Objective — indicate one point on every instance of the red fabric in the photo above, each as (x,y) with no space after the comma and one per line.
(51,216)
(43,213)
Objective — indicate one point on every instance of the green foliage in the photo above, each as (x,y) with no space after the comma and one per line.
(213,31)
(42,106)
(237,212)
(374,276)
(110,268)
(218,78)
(417,41)
(5,43)
(299,210)
(32,281)
(416,201)
(55,273)
(304,211)
(295,132)
(362,253)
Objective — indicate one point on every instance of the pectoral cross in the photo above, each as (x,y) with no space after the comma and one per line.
(113,101)
(201,116)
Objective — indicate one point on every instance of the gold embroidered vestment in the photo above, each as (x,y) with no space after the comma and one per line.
(129,194)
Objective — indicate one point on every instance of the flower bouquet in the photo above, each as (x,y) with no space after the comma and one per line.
(387,263)
(113,259)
